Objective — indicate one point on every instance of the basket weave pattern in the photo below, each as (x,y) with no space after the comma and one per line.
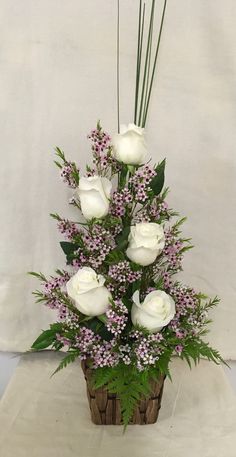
(105,407)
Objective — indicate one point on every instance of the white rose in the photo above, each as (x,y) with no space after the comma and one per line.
(94,194)
(157,310)
(146,241)
(87,289)
(129,145)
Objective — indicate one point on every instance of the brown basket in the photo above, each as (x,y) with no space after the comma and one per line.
(105,407)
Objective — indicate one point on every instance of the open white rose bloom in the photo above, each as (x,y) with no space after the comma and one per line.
(156,311)
(87,289)
(94,193)
(129,145)
(146,241)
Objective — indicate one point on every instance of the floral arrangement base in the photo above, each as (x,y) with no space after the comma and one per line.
(105,407)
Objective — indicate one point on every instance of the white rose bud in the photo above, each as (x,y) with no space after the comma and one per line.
(87,289)
(129,145)
(157,310)
(146,241)
(94,194)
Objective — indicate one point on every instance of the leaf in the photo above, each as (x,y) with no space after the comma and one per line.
(60,153)
(69,358)
(127,382)
(159,284)
(115,256)
(136,285)
(102,318)
(57,164)
(38,275)
(123,175)
(122,238)
(47,337)
(99,328)
(128,303)
(67,247)
(157,182)
(44,340)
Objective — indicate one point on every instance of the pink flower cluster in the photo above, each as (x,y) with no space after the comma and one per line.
(172,250)
(67,174)
(167,281)
(100,140)
(188,320)
(185,298)
(91,346)
(140,183)
(51,289)
(86,341)
(55,283)
(101,149)
(117,316)
(120,202)
(122,272)
(68,229)
(147,349)
(105,355)
(153,212)
(98,243)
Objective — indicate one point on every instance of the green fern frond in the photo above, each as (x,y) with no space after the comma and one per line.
(69,358)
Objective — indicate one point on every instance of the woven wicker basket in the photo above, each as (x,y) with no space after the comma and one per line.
(105,407)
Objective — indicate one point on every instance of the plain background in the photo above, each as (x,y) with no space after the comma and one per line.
(58,77)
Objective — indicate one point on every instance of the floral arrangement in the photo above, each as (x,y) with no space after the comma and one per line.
(118,304)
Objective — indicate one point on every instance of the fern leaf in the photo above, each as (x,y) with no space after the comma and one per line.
(69,358)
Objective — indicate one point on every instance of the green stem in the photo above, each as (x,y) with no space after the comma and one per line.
(148,67)
(139,56)
(154,64)
(118,66)
(137,64)
(146,63)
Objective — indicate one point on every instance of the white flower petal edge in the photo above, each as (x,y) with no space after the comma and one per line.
(146,241)
(94,194)
(129,145)
(156,311)
(87,290)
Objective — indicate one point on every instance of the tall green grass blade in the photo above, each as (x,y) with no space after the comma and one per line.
(154,64)
(148,67)
(145,65)
(138,62)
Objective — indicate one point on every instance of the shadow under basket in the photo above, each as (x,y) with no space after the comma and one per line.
(105,407)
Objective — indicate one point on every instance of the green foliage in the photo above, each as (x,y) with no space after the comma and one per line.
(38,275)
(75,172)
(98,327)
(157,182)
(122,238)
(164,361)
(123,175)
(159,284)
(47,337)
(127,383)
(69,358)
(115,256)
(196,349)
(69,249)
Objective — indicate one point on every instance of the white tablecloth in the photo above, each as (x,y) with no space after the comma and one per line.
(43,417)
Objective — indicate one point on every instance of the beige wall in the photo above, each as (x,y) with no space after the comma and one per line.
(57,78)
